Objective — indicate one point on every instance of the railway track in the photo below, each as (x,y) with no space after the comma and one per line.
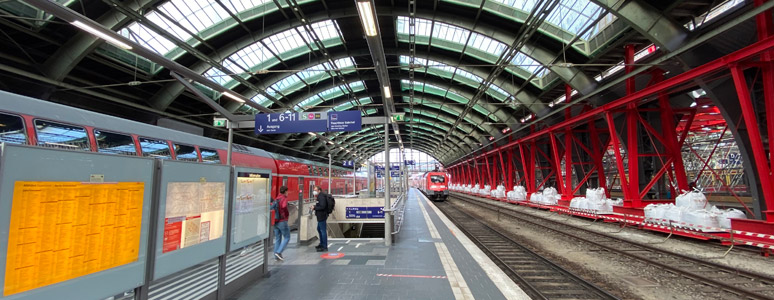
(743,284)
(538,277)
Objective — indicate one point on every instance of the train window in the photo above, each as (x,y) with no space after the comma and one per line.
(63,136)
(310,170)
(12,129)
(437,179)
(114,143)
(209,156)
(155,148)
(186,153)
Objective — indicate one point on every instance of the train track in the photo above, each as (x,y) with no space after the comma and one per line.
(741,283)
(538,277)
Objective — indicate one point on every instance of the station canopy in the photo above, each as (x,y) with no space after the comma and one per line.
(466,73)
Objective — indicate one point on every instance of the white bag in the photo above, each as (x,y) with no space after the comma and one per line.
(724,219)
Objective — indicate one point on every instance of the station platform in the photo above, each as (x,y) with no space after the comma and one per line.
(429,259)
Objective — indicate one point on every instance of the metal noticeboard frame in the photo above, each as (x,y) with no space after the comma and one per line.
(177,260)
(264,172)
(28,163)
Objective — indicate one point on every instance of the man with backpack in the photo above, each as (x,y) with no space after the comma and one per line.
(324,207)
(281,229)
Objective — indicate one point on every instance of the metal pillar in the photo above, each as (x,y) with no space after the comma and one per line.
(354,178)
(230,142)
(330,163)
(387,204)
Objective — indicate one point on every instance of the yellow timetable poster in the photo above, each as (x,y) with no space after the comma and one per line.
(64,230)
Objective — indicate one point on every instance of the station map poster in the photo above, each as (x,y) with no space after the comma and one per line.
(64,230)
(194,214)
(251,207)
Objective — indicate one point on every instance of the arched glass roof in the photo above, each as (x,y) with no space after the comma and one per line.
(450,72)
(271,50)
(305,78)
(330,94)
(405,84)
(191,20)
(458,39)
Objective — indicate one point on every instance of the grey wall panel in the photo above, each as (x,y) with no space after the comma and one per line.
(193,283)
(24,163)
(241,262)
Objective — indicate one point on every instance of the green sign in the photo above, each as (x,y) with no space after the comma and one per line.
(398,117)
(219,122)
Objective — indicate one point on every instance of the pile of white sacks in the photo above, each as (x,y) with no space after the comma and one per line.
(549,196)
(519,193)
(691,211)
(596,201)
(485,191)
(498,192)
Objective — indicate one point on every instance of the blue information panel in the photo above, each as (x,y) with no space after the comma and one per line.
(394,168)
(349,163)
(349,120)
(395,173)
(379,174)
(376,212)
(296,122)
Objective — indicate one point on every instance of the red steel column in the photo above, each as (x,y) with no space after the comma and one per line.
(557,162)
(619,160)
(756,142)
(633,132)
(567,192)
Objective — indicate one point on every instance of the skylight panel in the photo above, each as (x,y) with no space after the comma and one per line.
(144,36)
(217,76)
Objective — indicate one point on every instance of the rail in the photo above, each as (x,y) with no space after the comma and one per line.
(736,281)
(398,206)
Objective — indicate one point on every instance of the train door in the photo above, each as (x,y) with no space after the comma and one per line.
(300,205)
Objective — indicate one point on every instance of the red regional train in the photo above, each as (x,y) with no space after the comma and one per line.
(25,120)
(435,185)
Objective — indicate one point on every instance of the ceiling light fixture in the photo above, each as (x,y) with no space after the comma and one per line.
(101,35)
(367,17)
(232,96)
(387,92)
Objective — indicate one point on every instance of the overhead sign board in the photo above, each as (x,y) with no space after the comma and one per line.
(394,168)
(379,174)
(349,163)
(409,162)
(348,120)
(291,122)
(395,173)
(219,122)
(300,122)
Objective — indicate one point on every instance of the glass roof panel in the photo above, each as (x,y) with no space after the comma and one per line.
(436,90)
(351,104)
(185,18)
(329,94)
(571,15)
(485,45)
(494,90)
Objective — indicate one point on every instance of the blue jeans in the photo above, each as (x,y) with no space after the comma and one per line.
(281,236)
(322,231)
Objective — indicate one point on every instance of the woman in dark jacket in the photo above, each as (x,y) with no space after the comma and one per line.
(321,211)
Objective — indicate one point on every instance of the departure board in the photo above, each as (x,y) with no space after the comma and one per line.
(63,230)
(193,213)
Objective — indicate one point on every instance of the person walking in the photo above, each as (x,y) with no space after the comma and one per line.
(281,229)
(321,211)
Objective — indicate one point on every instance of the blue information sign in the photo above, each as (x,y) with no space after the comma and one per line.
(365,212)
(349,120)
(395,173)
(378,168)
(394,168)
(349,163)
(296,122)
(379,174)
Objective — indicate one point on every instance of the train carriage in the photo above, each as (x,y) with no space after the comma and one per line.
(435,185)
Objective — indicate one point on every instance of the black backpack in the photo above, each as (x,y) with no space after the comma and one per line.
(331,203)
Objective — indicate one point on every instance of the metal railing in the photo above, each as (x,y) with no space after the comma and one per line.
(398,206)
